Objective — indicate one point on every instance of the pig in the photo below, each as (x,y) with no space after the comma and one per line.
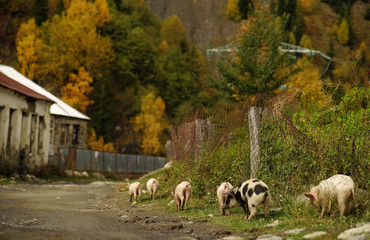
(182,194)
(135,189)
(152,186)
(339,187)
(250,194)
(223,188)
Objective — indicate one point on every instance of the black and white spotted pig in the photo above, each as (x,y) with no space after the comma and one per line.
(250,194)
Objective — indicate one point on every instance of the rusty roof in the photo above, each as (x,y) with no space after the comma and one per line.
(16,86)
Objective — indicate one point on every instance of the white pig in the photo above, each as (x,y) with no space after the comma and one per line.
(223,188)
(135,189)
(182,194)
(152,186)
(340,187)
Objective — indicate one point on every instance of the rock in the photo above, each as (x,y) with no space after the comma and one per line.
(269,237)
(302,199)
(274,224)
(314,235)
(359,232)
(98,175)
(210,215)
(168,165)
(295,231)
(232,238)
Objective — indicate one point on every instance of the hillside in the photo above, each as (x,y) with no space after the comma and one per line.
(205,20)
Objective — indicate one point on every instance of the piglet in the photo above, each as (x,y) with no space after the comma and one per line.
(182,194)
(339,187)
(222,189)
(152,186)
(135,189)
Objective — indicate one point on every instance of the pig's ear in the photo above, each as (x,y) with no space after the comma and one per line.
(309,195)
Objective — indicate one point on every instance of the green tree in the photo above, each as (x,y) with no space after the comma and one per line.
(256,68)
(40,11)
(245,8)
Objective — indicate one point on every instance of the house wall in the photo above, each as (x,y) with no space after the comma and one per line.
(67,132)
(24,124)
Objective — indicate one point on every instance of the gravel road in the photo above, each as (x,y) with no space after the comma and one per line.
(97,210)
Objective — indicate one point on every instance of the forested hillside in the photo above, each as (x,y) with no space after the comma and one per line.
(111,59)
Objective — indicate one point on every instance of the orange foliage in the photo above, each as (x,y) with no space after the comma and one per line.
(77,90)
(96,144)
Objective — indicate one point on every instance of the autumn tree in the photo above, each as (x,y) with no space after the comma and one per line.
(173,31)
(308,5)
(70,40)
(29,44)
(96,143)
(307,85)
(255,68)
(305,42)
(232,10)
(77,90)
(151,122)
(343,32)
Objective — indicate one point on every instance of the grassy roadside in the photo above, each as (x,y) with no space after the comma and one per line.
(290,216)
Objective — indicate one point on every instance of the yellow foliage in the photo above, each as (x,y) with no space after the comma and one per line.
(305,41)
(163,46)
(103,14)
(28,44)
(173,31)
(308,86)
(309,5)
(343,32)
(292,38)
(232,10)
(151,122)
(96,144)
(77,90)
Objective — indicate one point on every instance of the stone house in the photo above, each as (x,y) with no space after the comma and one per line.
(54,125)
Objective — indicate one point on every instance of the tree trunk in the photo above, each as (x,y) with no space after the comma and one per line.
(254,135)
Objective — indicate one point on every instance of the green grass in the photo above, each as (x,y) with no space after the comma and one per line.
(289,217)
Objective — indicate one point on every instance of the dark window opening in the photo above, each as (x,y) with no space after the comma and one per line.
(76,130)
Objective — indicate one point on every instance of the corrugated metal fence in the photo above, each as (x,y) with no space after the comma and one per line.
(88,160)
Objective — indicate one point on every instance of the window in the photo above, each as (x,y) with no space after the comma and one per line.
(51,131)
(63,134)
(76,130)
(41,133)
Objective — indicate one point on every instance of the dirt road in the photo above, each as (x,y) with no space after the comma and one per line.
(65,210)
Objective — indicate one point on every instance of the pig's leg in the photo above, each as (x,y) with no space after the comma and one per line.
(177,203)
(323,209)
(253,211)
(245,210)
(139,195)
(220,204)
(130,197)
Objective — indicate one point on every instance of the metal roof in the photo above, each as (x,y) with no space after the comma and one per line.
(16,86)
(58,108)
